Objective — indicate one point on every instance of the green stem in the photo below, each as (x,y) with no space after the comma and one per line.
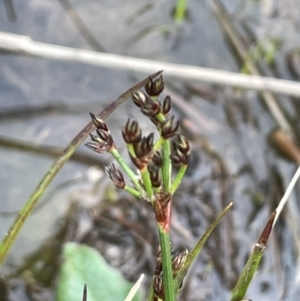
(178,178)
(127,169)
(167,166)
(158,144)
(165,244)
(147,182)
(132,191)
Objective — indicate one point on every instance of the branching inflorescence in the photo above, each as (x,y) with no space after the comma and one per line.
(154,160)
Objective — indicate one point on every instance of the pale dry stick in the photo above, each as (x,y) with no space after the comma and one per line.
(135,288)
(286,194)
(24,45)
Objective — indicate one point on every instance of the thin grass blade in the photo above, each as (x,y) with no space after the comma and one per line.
(253,261)
(67,153)
(195,252)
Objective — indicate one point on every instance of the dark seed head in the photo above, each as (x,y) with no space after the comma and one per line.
(132,133)
(99,123)
(167,105)
(139,98)
(98,147)
(151,107)
(178,261)
(169,128)
(116,176)
(154,86)
(155,176)
(157,159)
(144,148)
(181,151)
(183,144)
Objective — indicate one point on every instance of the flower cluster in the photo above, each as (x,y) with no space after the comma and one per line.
(154,160)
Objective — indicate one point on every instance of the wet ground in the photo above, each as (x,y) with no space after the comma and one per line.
(46,102)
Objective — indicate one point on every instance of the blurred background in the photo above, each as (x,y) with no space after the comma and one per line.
(240,152)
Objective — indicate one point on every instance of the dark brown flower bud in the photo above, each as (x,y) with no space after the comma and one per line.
(151,107)
(103,142)
(104,136)
(144,147)
(167,105)
(99,123)
(169,128)
(178,261)
(155,176)
(116,176)
(157,159)
(98,147)
(181,151)
(183,144)
(139,98)
(154,86)
(158,286)
(132,133)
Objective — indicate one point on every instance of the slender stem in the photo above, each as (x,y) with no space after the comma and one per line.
(158,144)
(178,178)
(147,182)
(165,244)
(167,166)
(130,149)
(132,191)
(127,169)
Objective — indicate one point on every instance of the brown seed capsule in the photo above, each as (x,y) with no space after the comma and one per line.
(157,159)
(155,176)
(132,133)
(167,105)
(103,142)
(97,147)
(183,144)
(158,286)
(155,86)
(181,151)
(151,107)
(169,128)
(116,176)
(139,98)
(144,147)
(178,261)
(99,123)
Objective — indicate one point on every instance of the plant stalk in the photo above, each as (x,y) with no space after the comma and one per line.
(178,178)
(165,244)
(167,166)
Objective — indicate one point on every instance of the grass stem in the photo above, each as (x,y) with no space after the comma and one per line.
(165,244)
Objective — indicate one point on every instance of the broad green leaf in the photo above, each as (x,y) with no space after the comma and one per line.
(82,264)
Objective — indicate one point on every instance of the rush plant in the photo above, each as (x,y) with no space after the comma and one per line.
(153,182)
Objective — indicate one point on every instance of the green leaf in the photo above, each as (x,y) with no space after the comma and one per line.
(82,264)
